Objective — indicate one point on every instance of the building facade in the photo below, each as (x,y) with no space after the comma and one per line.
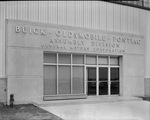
(54,50)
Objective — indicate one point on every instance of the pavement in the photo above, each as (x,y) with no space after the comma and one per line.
(110,108)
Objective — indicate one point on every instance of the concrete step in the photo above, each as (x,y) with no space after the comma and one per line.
(89,100)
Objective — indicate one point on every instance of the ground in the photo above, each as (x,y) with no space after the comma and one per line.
(25,112)
(29,112)
(118,109)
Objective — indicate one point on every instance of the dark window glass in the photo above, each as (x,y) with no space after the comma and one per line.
(103,88)
(91,88)
(114,88)
(91,84)
(103,74)
(91,74)
(114,74)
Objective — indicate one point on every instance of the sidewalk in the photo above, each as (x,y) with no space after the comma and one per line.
(93,109)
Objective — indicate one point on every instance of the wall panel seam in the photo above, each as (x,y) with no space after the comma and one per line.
(57,10)
(83,15)
(91,14)
(66,12)
(75,13)
(106,15)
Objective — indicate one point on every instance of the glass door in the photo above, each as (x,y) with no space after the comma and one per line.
(102,76)
(91,81)
(103,81)
(114,80)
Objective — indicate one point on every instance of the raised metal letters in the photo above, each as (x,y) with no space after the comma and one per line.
(74,40)
(25,30)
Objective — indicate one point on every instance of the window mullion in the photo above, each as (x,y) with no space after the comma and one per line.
(97,77)
(71,76)
(109,82)
(57,73)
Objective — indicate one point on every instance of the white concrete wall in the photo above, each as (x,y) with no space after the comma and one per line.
(133,73)
(147,55)
(86,14)
(2,39)
(147,46)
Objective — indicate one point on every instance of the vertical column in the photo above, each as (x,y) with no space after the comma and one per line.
(87,14)
(23,12)
(117,18)
(103,15)
(2,38)
(71,10)
(130,19)
(109,83)
(97,77)
(147,56)
(62,12)
(79,14)
(110,17)
(85,75)
(124,19)
(57,73)
(52,12)
(33,11)
(43,11)
(95,15)
(71,76)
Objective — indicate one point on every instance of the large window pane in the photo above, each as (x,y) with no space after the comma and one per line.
(103,74)
(91,60)
(64,80)
(102,60)
(114,74)
(50,83)
(49,58)
(78,80)
(64,58)
(78,59)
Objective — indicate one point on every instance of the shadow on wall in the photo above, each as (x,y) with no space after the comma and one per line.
(146,98)
(147,88)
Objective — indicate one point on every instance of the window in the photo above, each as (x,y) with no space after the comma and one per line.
(114,61)
(78,59)
(91,60)
(64,80)
(102,60)
(50,83)
(78,79)
(63,74)
(64,58)
(49,58)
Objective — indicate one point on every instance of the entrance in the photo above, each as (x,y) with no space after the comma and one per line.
(102,80)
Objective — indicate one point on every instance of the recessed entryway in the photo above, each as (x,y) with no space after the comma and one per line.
(102,79)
